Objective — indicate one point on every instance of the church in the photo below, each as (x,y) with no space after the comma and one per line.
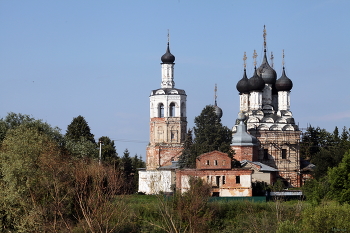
(265,136)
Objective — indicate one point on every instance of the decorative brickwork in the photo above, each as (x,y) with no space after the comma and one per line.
(280,149)
(167,130)
(162,155)
(246,153)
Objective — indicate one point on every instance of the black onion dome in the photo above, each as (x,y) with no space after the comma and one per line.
(256,83)
(243,84)
(267,72)
(168,58)
(284,83)
(218,111)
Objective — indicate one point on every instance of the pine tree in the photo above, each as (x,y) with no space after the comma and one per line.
(336,137)
(128,172)
(137,162)
(185,159)
(210,134)
(345,134)
(344,138)
(127,164)
(79,141)
(313,140)
(79,128)
(109,153)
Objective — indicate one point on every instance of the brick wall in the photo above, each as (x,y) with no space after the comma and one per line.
(223,182)
(162,155)
(213,160)
(246,153)
(272,144)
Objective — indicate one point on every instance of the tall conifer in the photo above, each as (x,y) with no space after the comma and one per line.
(210,135)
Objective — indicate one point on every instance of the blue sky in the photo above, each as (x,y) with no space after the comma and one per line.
(101,59)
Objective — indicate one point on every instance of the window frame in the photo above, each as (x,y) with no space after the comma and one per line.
(161,110)
(172,109)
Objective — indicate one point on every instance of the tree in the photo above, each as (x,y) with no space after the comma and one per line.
(127,172)
(335,135)
(14,120)
(313,140)
(109,153)
(315,190)
(81,148)
(137,162)
(344,135)
(127,163)
(185,157)
(79,140)
(95,188)
(210,135)
(79,128)
(339,180)
(185,212)
(324,149)
(27,202)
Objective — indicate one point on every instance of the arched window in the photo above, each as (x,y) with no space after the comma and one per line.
(160,110)
(172,110)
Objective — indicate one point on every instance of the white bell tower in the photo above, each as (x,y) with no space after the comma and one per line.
(168,122)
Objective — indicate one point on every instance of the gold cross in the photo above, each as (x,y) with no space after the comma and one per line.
(272,57)
(255,55)
(244,60)
(168,36)
(264,35)
(215,96)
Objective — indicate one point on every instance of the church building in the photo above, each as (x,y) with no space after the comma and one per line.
(265,101)
(265,137)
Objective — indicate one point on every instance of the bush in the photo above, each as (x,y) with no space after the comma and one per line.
(326,218)
(288,227)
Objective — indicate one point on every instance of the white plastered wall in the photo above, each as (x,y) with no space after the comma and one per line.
(166,100)
(153,182)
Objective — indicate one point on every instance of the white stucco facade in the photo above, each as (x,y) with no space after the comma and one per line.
(156,181)
(164,99)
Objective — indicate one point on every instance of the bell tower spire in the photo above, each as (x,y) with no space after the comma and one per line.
(168,122)
(168,67)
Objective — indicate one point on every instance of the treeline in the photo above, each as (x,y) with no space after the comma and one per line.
(51,182)
(330,152)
